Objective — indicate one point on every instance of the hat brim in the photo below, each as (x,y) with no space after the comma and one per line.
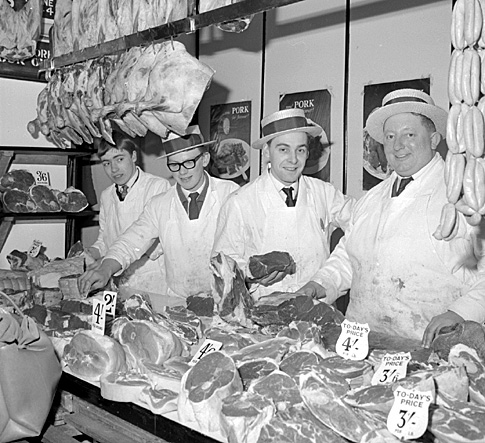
(188,148)
(376,120)
(314,131)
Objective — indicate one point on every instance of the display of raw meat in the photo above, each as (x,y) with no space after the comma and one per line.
(15,200)
(296,362)
(461,354)
(123,386)
(469,333)
(17,179)
(106,24)
(48,275)
(62,28)
(379,436)
(261,266)
(296,425)
(71,199)
(231,296)
(274,348)
(145,342)
(255,369)
(23,261)
(203,389)
(159,401)
(357,373)
(90,355)
(233,341)
(44,198)
(244,414)
(20,30)
(200,305)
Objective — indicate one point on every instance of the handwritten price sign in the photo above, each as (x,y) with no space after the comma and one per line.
(353,342)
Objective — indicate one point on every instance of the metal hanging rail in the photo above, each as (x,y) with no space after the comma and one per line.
(153,35)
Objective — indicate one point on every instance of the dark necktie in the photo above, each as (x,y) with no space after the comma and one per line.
(396,190)
(121,191)
(193,206)
(290,202)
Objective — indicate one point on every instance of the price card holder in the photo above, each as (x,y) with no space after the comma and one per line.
(42,178)
(35,248)
(207,347)
(393,367)
(353,342)
(109,298)
(98,321)
(408,417)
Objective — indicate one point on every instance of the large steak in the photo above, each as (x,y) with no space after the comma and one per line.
(17,179)
(203,389)
(274,348)
(469,333)
(253,370)
(15,200)
(261,266)
(44,198)
(71,199)
(295,363)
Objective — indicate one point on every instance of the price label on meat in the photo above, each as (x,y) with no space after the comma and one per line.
(35,248)
(99,316)
(408,417)
(109,298)
(393,367)
(207,347)
(353,342)
(42,178)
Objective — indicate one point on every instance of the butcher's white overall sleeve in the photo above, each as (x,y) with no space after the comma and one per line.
(99,244)
(340,208)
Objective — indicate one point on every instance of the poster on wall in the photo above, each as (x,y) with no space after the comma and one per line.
(29,69)
(316,105)
(230,127)
(375,164)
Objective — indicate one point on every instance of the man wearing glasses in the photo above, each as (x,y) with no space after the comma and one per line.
(184,219)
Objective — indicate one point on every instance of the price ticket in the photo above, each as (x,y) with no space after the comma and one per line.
(35,248)
(353,342)
(408,417)
(207,347)
(109,298)
(98,321)
(393,367)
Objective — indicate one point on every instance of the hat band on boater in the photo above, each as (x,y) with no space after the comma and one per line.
(405,99)
(284,124)
(180,143)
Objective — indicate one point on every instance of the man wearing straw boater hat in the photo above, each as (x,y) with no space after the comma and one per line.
(282,210)
(183,218)
(404,278)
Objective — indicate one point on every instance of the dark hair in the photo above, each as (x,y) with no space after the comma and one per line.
(123,142)
(426,121)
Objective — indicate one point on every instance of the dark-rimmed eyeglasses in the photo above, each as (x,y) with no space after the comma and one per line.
(187,164)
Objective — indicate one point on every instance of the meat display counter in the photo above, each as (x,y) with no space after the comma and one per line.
(43,156)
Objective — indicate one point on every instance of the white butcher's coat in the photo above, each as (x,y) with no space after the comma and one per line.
(399,275)
(116,216)
(255,220)
(186,244)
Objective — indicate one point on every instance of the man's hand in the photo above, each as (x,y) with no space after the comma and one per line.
(271,279)
(99,277)
(449,318)
(313,289)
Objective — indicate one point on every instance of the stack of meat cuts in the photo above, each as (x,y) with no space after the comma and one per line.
(155,88)
(20,30)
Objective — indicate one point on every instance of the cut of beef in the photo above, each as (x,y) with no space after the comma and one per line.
(297,425)
(232,341)
(203,389)
(124,386)
(44,198)
(297,361)
(159,401)
(17,179)
(202,306)
(468,333)
(278,310)
(244,414)
(357,373)
(261,266)
(231,296)
(71,200)
(15,200)
(275,348)
(256,369)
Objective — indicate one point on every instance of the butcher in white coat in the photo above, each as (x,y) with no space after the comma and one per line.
(121,203)
(183,219)
(261,217)
(402,279)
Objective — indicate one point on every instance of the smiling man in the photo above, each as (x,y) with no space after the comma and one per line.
(402,280)
(121,204)
(282,210)
(183,219)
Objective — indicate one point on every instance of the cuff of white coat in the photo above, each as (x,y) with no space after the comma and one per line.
(470,310)
(331,289)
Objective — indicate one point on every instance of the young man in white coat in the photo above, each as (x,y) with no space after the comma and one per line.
(184,219)
(261,217)
(402,280)
(121,203)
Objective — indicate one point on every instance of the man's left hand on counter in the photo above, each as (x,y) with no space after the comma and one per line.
(448,318)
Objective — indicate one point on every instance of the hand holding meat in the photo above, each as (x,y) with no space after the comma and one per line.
(312,289)
(449,318)
(272,278)
(98,278)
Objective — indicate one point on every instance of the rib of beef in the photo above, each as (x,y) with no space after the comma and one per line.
(262,265)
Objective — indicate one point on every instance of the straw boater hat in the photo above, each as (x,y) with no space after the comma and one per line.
(175,143)
(286,121)
(405,100)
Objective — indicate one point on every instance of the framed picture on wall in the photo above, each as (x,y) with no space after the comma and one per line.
(375,164)
(317,105)
(230,127)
